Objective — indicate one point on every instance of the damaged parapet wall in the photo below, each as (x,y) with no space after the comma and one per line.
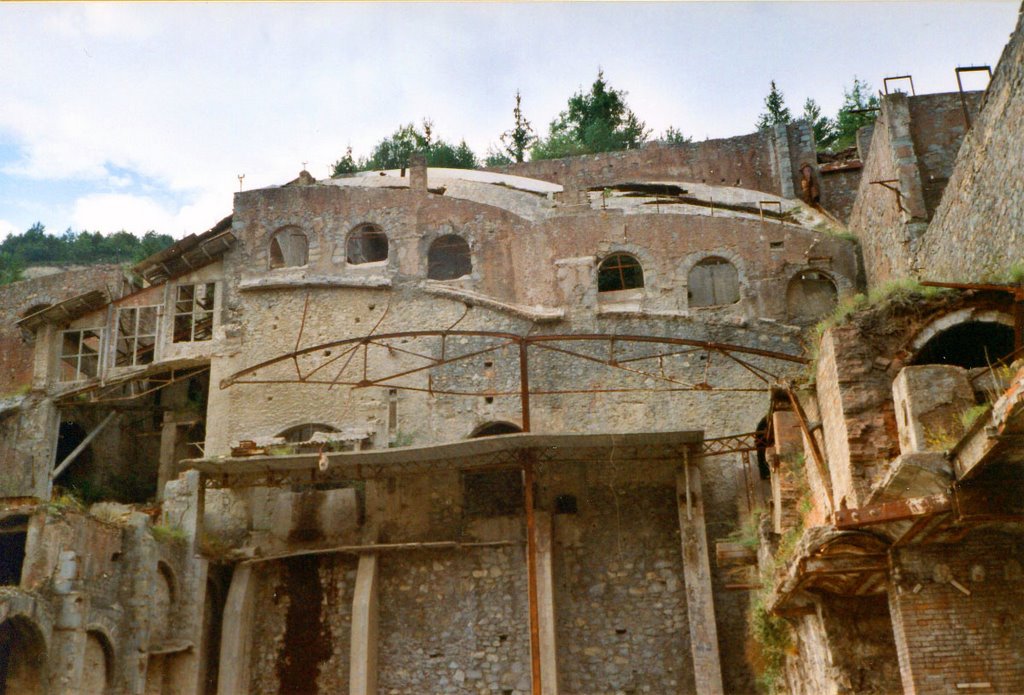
(913,149)
(978,230)
(769,161)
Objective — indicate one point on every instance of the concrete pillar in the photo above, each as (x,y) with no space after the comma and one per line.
(365,614)
(168,445)
(67,647)
(546,605)
(700,605)
(236,633)
(418,172)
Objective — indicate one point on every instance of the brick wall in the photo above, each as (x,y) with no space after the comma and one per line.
(748,161)
(839,189)
(978,228)
(16,352)
(948,637)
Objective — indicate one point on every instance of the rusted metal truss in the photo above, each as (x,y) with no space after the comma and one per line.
(960,87)
(896,510)
(737,443)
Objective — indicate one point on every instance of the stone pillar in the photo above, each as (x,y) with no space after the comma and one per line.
(365,614)
(780,144)
(140,547)
(700,605)
(168,445)
(236,632)
(418,172)
(546,605)
(67,647)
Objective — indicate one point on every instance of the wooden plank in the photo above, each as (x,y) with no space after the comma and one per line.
(896,510)
(700,605)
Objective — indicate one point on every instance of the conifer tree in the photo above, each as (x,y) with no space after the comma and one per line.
(776,112)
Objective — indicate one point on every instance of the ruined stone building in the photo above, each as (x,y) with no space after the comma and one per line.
(566,427)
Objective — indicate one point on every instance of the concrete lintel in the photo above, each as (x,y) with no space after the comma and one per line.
(365,614)
(236,634)
(700,605)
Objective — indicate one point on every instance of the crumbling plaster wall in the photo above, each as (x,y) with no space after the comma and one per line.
(978,229)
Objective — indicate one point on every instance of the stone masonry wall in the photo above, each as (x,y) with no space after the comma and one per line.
(914,144)
(978,229)
(967,639)
(619,596)
(749,161)
(839,190)
(454,622)
(303,627)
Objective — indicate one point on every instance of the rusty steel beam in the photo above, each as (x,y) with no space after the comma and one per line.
(896,510)
(819,460)
(513,338)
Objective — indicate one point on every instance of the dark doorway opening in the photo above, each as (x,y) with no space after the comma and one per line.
(968,345)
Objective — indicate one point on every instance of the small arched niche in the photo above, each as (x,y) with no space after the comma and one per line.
(449,258)
(969,345)
(305,432)
(620,271)
(491,429)
(367,243)
(714,281)
(810,295)
(98,663)
(289,247)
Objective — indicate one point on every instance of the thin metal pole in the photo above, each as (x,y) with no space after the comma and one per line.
(524,387)
(69,459)
(531,573)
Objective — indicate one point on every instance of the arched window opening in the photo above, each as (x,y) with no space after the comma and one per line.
(22,657)
(620,271)
(289,247)
(98,659)
(366,243)
(449,258)
(968,345)
(305,432)
(491,429)
(810,295)
(713,282)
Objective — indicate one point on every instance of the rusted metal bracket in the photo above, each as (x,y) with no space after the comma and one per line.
(885,83)
(960,87)
(899,194)
(896,510)
(762,203)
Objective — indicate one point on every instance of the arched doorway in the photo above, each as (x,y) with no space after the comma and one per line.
(969,345)
(22,658)
(491,429)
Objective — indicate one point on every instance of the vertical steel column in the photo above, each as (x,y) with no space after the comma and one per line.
(531,571)
(524,384)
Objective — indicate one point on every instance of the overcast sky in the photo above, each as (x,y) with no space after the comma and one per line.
(141,116)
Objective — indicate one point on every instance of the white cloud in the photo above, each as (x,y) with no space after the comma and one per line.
(111,212)
(7,229)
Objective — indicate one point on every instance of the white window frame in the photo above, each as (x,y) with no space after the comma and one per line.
(133,336)
(75,359)
(195,313)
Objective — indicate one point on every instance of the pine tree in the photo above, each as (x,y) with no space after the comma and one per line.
(823,126)
(852,115)
(345,165)
(518,140)
(776,112)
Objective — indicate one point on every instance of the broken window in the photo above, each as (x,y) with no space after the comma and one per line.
(366,243)
(80,353)
(193,312)
(289,247)
(136,335)
(713,282)
(810,295)
(13,535)
(492,493)
(620,271)
(448,258)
